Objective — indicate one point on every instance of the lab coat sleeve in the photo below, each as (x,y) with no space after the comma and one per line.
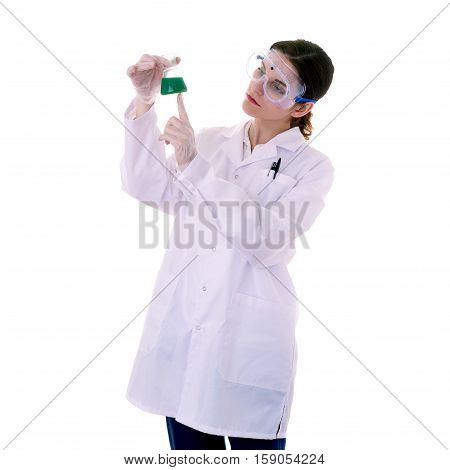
(148,177)
(264,233)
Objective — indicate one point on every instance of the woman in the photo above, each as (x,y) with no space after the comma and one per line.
(218,352)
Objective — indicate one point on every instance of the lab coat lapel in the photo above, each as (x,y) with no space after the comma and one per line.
(285,144)
(232,147)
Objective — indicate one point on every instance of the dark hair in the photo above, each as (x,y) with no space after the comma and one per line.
(315,69)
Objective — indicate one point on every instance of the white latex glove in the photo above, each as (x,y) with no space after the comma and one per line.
(179,133)
(146,76)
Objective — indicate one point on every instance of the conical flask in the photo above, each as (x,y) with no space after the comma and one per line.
(172,81)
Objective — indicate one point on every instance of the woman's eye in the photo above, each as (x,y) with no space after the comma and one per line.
(278,89)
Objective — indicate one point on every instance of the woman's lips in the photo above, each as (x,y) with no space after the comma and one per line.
(251,100)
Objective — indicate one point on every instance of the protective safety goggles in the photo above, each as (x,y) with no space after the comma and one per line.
(281,83)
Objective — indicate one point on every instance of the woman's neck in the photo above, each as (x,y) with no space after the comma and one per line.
(261,131)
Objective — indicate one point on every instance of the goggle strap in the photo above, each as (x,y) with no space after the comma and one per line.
(299,99)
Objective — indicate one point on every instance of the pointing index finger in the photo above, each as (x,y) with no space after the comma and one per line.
(181,109)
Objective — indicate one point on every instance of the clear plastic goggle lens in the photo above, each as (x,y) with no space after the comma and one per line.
(277,87)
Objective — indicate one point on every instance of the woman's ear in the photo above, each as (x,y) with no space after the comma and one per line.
(301,109)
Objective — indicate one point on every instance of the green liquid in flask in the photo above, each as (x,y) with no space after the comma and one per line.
(171,85)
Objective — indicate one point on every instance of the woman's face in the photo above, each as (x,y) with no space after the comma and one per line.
(264,108)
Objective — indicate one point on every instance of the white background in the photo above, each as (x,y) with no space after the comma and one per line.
(376,273)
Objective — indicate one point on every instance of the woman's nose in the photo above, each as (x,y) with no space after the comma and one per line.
(257,87)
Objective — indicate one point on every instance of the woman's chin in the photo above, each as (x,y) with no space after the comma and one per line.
(248,108)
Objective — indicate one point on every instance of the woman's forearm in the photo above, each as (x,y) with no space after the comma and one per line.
(141,107)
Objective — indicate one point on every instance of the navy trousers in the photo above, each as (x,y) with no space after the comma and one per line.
(183,437)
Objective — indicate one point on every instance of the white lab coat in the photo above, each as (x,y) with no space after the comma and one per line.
(218,351)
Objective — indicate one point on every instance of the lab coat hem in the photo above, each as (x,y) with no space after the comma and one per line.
(157,411)
(202,427)
(228,432)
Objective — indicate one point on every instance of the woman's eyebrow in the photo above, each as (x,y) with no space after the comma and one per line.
(279,81)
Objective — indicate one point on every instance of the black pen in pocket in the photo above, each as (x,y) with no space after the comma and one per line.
(275,167)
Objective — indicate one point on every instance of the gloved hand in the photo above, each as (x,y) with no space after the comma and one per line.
(146,76)
(179,133)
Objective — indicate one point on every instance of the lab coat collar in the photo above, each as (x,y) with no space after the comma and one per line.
(286,143)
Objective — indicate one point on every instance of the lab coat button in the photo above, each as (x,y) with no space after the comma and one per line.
(213,248)
(198,327)
(236,176)
(204,288)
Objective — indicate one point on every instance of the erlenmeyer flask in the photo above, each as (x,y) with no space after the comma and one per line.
(172,81)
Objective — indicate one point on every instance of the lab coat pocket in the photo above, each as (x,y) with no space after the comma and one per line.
(266,189)
(257,344)
(152,326)
(160,322)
